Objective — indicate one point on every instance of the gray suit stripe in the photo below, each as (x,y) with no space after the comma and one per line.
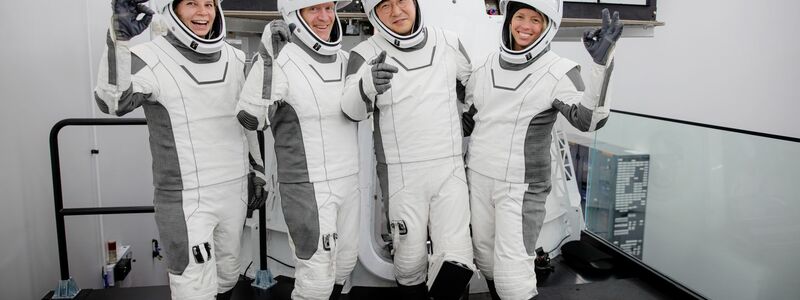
(130,101)
(221,80)
(299,206)
(172,230)
(266,84)
(166,167)
(606,80)
(355,62)
(377,138)
(383,181)
(112,60)
(533,212)
(100,103)
(289,149)
(367,101)
(577,114)
(537,173)
(433,55)
(464,52)
(537,146)
(249,68)
(137,64)
(494,83)
(575,76)
(323,79)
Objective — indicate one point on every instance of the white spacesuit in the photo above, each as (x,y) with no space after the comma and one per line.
(188,86)
(515,97)
(296,91)
(409,88)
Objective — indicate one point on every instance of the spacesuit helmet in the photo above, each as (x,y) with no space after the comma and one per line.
(416,36)
(210,43)
(552,10)
(290,10)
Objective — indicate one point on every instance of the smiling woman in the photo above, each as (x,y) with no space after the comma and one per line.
(526,27)
(198,15)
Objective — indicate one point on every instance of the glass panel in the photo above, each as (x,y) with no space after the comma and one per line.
(721,213)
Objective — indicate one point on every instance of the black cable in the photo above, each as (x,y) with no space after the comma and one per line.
(559,244)
(248,267)
(280,262)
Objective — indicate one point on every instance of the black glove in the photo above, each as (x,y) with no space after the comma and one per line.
(256,194)
(382,73)
(601,41)
(468,121)
(124,20)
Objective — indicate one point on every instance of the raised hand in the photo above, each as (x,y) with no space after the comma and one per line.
(281,35)
(601,41)
(382,73)
(124,20)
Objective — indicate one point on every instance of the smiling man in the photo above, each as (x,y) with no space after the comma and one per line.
(295,89)
(406,77)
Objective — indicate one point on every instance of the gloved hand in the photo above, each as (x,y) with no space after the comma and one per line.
(250,121)
(468,121)
(281,35)
(256,194)
(601,41)
(124,20)
(382,73)
(273,108)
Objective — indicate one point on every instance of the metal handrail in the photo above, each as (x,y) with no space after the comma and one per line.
(58,197)
(716,127)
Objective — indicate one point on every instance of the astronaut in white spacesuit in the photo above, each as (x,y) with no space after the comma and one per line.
(188,83)
(295,89)
(514,98)
(406,77)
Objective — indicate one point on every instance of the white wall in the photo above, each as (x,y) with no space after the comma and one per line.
(49,59)
(726,63)
(45,67)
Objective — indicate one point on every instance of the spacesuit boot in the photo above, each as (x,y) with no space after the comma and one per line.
(337,291)
(492,290)
(413,292)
